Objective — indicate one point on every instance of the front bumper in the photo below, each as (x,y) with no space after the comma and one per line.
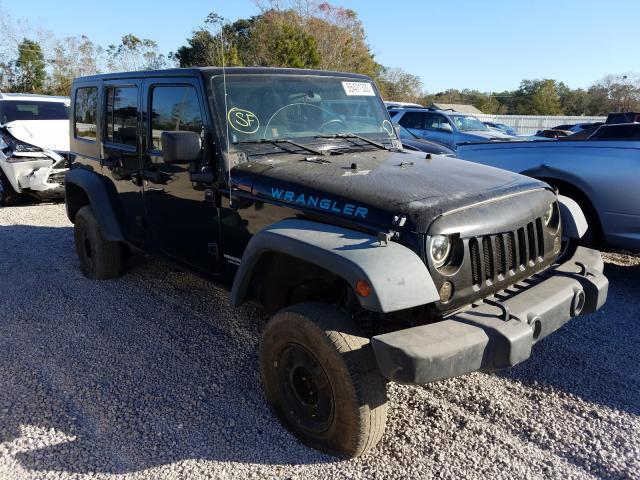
(499,331)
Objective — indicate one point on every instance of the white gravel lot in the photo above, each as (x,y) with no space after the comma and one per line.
(154,375)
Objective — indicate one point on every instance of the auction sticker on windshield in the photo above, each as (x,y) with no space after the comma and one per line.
(358,88)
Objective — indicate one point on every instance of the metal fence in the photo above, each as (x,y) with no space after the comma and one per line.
(529,124)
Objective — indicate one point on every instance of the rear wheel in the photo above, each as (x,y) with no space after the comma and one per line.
(320,375)
(99,258)
(9,196)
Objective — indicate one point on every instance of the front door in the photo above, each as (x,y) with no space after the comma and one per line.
(179,198)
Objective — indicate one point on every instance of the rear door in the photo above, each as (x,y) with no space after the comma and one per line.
(121,150)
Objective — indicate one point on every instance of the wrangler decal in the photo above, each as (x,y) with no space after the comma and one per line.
(326,204)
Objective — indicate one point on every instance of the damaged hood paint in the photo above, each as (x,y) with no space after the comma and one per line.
(46,134)
(381,186)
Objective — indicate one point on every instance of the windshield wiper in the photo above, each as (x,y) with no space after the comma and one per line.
(277,141)
(351,136)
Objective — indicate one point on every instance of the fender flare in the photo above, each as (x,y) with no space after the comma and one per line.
(398,277)
(574,223)
(99,199)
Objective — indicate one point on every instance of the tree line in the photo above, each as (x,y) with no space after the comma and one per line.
(286,33)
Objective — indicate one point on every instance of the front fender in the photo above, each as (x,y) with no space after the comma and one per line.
(574,223)
(398,277)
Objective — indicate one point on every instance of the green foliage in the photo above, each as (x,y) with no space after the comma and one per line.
(396,84)
(72,57)
(295,48)
(134,53)
(324,37)
(537,97)
(27,73)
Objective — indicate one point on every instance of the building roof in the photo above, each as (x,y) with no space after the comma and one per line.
(457,107)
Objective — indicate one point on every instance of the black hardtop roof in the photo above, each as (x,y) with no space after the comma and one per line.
(211,71)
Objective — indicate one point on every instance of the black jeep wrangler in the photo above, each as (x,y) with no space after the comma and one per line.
(290,188)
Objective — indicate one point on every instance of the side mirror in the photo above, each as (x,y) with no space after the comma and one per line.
(180,147)
(445,127)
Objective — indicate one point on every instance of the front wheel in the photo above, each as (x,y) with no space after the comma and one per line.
(320,376)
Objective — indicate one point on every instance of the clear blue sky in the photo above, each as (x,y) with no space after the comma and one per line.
(488,45)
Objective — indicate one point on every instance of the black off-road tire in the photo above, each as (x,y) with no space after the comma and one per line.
(8,197)
(99,258)
(319,342)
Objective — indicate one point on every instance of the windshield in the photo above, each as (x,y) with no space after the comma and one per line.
(11,110)
(300,107)
(467,123)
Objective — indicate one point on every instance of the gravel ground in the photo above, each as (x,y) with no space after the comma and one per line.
(154,375)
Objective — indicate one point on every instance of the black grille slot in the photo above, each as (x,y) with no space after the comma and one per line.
(533,248)
(540,237)
(501,258)
(522,248)
(511,253)
(487,250)
(474,250)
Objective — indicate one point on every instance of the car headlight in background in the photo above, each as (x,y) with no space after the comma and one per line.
(548,215)
(439,249)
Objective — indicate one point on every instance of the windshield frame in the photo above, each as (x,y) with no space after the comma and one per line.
(219,114)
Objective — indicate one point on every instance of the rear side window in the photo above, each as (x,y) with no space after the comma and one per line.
(122,115)
(85,112)
(413,120)
(174,108)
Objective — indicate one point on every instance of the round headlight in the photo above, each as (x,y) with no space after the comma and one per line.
(548,215)
(440,249)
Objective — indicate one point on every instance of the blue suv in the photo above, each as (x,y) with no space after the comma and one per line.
(445,127)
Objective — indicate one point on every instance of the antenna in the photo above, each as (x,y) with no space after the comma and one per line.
(226,107)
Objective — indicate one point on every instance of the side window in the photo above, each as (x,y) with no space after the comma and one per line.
(173,108)
(435,122)
(122,115)
(413,120)
(85,112)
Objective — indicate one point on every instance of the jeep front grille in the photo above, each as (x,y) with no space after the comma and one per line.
(494,257)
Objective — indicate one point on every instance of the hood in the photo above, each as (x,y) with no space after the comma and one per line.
(46,134)
(490,135)
(384,185)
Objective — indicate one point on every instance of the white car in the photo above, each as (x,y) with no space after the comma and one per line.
(34,146)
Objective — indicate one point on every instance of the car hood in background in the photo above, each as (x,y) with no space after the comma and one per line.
(46,134)
(489,135)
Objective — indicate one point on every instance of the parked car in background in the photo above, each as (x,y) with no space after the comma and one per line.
(553,133)
(506,129)
(34,146)
(577,127)
(402,105)
(621,131)
(447,128)
(601,174)
(411,141)
(623,117)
